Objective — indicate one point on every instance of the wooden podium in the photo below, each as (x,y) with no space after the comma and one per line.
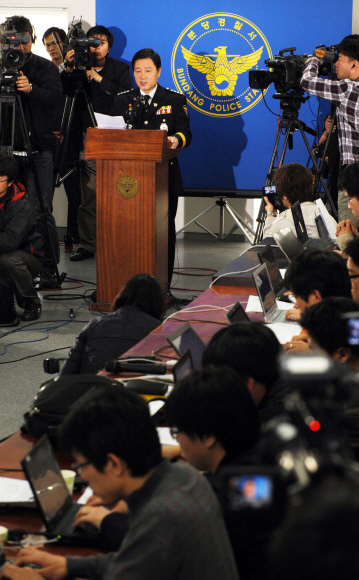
(132,205)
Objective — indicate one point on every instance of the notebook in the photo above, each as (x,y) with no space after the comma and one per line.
(324,241)
(53,499)
(266,296)
(237,314)
(185,338)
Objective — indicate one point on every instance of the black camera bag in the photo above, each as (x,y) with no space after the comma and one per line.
(55,398)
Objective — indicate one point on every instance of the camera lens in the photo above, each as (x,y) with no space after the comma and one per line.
(14,59)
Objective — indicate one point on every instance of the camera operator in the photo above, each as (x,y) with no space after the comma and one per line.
(294,182)
(105,79)
(343,93)
(39,86)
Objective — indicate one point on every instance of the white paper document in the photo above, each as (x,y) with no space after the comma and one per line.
(165,436)
(108,122)
(16,491)
(326,218)
(284,331)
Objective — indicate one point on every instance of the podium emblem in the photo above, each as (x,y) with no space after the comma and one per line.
(127,187)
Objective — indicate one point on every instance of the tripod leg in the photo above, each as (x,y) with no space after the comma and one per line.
(261,214)
(332,205)
(43,213)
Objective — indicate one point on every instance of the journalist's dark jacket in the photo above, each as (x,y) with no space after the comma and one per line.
(106,338)
(17,223)
(39,103)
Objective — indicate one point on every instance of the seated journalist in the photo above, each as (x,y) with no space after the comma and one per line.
(176,530)
(328,330)
(352,253)
(215,422)
(315,274)
(252,351)
(348,184)
(21,252)
(136,311)
(294,182)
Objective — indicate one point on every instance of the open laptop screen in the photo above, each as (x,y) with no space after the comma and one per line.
(266,256)
(44,475)
(264,289)
(185,338)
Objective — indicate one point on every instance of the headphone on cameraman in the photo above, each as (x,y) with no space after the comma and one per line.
(33,34)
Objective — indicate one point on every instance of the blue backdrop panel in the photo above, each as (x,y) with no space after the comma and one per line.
(207,48)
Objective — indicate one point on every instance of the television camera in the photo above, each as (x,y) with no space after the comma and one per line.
(78,40)
(11,58)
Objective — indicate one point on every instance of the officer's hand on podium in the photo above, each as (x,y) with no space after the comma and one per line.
(173,142)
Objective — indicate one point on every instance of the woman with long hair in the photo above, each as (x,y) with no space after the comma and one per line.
(136,311)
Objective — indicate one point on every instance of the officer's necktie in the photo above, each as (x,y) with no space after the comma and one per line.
(146,105)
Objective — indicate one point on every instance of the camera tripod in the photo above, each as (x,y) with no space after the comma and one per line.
(78,91)
(290,104)
(9,100)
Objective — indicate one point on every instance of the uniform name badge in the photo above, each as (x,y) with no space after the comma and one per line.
(164,126)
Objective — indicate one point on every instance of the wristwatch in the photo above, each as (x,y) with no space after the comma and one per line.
(274,213)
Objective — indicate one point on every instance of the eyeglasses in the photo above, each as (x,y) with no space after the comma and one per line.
(50,44)
(354,276)
(348,199)
(174,432)
(78,467)
(3,180)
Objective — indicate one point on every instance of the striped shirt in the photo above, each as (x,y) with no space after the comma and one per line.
(345,95)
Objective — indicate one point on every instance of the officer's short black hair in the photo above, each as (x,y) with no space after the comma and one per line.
(59,31)
(8,167)
(103,31)
(147,53)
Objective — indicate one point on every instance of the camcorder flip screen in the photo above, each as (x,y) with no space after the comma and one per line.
(352,319)
(257,494)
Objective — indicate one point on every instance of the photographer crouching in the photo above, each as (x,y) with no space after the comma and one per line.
(344,94)
(21,251)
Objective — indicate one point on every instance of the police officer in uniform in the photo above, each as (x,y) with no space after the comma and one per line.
(155,107)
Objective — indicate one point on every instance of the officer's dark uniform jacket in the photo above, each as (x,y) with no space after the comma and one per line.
(39,103)
(167,107)
(17,223)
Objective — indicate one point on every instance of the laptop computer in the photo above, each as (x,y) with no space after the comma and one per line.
(185,338)
(51,495)
(183,367)
(266,256)
(323,242)
(266,296)
(237,314)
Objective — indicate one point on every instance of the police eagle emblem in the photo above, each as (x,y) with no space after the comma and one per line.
(221,70)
